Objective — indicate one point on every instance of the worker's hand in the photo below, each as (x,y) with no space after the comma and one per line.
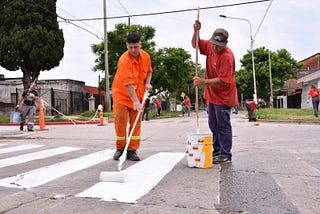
(148,87)
(197,81)
(197,25)
(137,106)
(17,107)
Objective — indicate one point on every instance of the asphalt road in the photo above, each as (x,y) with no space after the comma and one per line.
(275,169)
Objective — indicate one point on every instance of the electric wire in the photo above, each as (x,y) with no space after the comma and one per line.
(264,16)
(168,12)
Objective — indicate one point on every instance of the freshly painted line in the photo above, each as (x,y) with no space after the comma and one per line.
(36,155)
(46,174)
(19,148)
(141,178)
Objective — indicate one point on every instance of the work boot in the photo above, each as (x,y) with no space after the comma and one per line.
(117,154)
(132,155)
(21,126)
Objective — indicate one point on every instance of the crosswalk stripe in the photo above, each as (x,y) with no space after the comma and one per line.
(45,174)
(19,148)
(2,144)
(35,156)
(141,178)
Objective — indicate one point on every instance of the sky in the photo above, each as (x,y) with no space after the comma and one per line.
(288,24)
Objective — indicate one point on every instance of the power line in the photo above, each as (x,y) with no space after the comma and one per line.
(66,20)
(264,16)
(168,12)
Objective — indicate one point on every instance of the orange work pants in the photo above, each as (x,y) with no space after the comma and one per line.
(123,114)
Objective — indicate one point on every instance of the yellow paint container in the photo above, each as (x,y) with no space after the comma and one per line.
(199,150)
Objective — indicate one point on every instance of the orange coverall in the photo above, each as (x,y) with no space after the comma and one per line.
(129,72)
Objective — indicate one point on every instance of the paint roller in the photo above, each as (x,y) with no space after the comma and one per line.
(121,176)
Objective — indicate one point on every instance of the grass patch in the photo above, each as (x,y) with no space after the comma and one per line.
(285,114)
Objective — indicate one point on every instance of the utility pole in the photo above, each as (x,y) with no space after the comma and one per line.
(106,62)
(271,88)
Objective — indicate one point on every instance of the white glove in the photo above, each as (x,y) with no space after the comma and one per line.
(17,107)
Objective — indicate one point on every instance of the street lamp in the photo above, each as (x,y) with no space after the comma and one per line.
(252,55)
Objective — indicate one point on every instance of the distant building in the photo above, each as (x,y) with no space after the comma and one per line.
(309,75)
(64,95)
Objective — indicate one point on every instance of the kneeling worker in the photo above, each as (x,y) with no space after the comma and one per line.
(251,106)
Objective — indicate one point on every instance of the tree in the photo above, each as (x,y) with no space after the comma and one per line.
(117,46)
(173,70)
(30,37)
(283,68)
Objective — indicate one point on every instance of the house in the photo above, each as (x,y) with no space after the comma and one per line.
(309,74)
(64,95)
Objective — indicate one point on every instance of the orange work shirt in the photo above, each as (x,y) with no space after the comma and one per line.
(130,72)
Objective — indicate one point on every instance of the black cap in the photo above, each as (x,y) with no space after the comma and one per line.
(220,37)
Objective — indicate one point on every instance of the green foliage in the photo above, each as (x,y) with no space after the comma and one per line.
(283,67)
(30,37)
(117,46)
(173,68)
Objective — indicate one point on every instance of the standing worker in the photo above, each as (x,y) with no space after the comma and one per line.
(146,109)
(220,89)
(28,97)
(132,78)
(314,95)
(187,102)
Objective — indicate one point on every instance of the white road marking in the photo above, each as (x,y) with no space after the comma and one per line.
(1,144)
(19,148)
(141,178)
(46,174)
(35,156)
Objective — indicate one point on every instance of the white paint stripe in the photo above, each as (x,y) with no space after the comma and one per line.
(43,175)
(141,178)
(1,144)
(36,155)
(19,148)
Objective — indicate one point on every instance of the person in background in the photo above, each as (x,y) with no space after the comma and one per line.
(132,79)
(251,106)
(158,107)
(187,102)
(28,108)
(236,109)
(314,95)
(146,109)
(220,89)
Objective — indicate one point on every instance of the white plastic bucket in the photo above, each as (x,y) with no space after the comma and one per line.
(199,150)
(14,117)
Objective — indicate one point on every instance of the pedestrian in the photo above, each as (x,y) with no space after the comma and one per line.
(28,108)
(146,109)
(187,102)
(158,107)
(132,78)
(251,106)
(220,89)
(314,95)
(236,109)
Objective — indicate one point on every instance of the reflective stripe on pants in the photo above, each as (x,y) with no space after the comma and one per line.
(123,114)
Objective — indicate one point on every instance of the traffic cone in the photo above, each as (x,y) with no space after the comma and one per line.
(41,116)
(100,109)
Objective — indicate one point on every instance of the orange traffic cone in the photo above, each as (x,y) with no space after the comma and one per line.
(41,116)
(100,109)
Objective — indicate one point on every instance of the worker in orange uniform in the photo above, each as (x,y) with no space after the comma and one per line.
(132,78)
